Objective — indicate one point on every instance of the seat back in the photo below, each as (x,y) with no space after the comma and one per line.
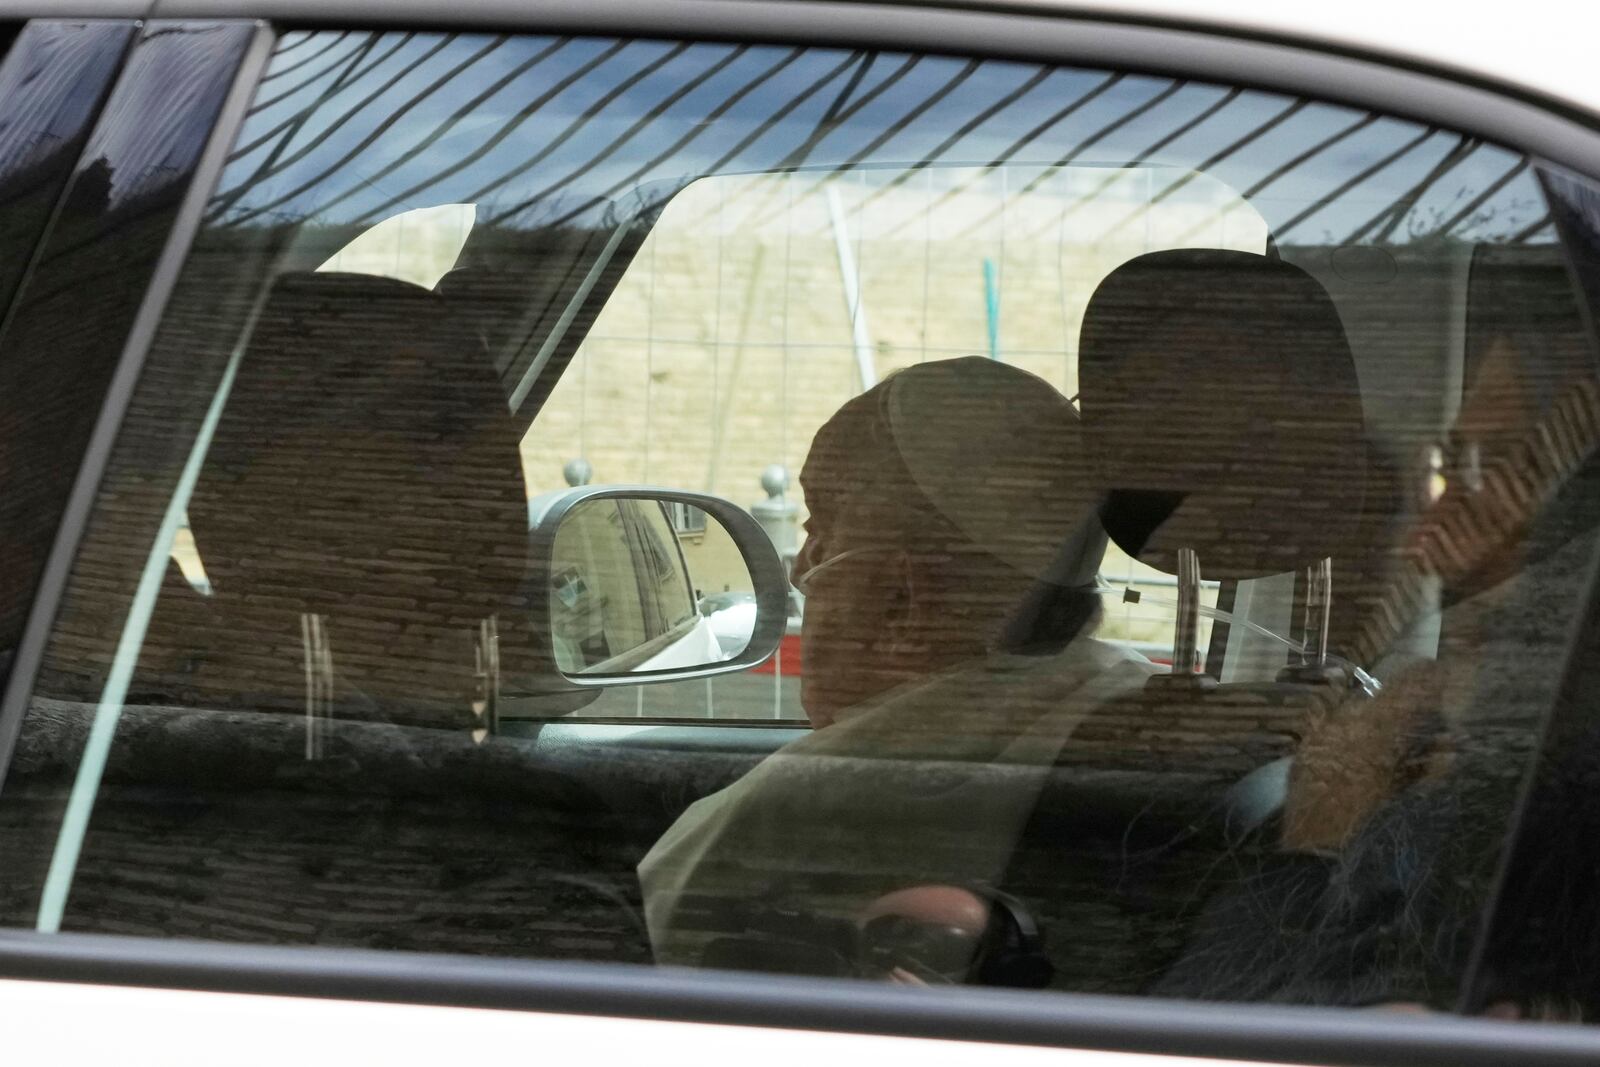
(365,471)
(1223,413)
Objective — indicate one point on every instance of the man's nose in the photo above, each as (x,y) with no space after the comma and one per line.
(805,558)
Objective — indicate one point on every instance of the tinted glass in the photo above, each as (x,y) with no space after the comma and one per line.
(53,80)
(1185,488)
(94,168)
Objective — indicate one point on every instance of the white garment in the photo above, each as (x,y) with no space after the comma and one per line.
(931,782)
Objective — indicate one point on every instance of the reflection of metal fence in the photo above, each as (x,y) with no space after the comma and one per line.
(1159,580)
(764,89)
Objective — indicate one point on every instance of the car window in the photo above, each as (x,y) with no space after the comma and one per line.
(93,203)
(1185,489)
(46,121)
(867,256)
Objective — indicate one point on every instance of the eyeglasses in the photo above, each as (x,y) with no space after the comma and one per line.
(806,579)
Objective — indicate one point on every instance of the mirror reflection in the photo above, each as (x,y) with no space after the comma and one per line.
(640,584)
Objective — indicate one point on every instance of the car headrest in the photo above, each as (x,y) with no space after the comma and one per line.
(365,467)
(1222,413)
(493,301)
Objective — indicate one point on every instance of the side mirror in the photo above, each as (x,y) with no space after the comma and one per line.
(636,584)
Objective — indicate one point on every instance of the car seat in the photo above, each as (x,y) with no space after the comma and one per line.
(1222,413)
(1409,801)
(361,499)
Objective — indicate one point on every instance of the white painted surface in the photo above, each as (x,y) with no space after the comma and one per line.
(1544,45)
(73,1025)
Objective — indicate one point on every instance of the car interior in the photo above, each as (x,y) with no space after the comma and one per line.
(1378,456)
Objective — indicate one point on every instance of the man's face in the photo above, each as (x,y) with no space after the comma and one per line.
(859,630)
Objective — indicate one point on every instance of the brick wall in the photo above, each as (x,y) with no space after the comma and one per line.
(217,827)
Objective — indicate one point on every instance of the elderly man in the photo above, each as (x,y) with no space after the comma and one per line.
(949,570)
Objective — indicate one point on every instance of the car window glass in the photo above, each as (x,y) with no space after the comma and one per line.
(1186,489)
(47,118)
(827,261)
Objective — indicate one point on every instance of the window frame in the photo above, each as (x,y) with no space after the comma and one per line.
(1544,129)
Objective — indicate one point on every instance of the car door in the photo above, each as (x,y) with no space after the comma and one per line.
(669,248)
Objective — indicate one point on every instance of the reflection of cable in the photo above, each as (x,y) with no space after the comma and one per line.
(1368,683)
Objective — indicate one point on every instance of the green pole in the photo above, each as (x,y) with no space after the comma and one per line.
(991,301)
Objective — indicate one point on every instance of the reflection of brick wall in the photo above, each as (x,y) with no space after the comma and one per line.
(214,826)
(365,470)
(662,401)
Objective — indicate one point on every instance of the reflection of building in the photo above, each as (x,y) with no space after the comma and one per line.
(714,561)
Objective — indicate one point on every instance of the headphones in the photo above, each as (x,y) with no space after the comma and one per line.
(1011,953)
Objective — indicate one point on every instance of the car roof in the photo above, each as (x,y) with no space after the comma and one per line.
(1543,51)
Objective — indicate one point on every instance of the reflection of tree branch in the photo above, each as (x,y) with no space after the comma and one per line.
(378,130)
(1544,222)
(224,200)
(1471,211)
(1389,219)
(1356,179)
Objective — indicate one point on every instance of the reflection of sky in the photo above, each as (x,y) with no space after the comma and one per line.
(357,127)
(148,136)
(58,96)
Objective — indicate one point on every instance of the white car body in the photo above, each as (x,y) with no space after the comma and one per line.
(1551,52)
(698,646)
(71,1023)
(135,1028)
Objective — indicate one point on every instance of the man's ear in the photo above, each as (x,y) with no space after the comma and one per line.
(924,614)
(905,601)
